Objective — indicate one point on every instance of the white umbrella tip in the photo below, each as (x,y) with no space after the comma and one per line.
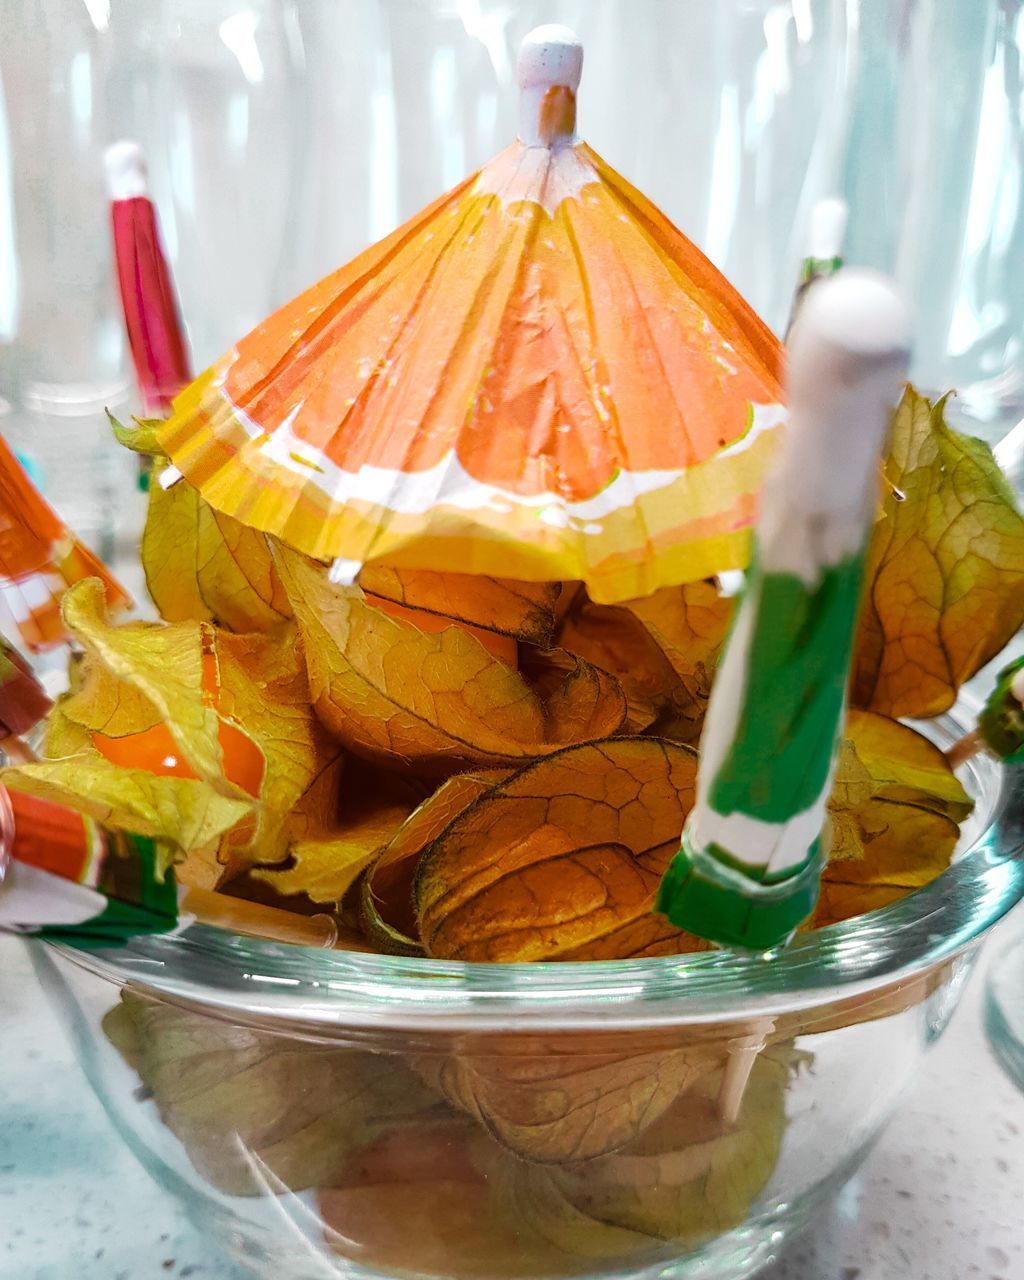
(858,311)
(125,166)
(549,69)
(550,56)
(827,228)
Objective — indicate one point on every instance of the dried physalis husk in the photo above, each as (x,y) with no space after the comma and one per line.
(945,571)
(433,703)
(895,811)
(524,611)
(329,856)
(387,908)
(204,566)
(562,860)
(183,732)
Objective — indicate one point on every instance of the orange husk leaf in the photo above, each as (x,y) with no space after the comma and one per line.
(945,571)
(232,712)
(208,866)
(613,638)
(185,812)
(523,610)
(895,812)
(63,736)
(263,687)
(141,674)
(202,565)
(647,935)
(436,703)
(560,857)
(319,808)
(689,625)
(325,867)
(387,911)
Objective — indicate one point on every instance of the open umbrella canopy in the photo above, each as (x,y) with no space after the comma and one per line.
(40,558)
(753,851)
(538,377)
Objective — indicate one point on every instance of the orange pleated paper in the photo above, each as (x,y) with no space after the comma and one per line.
(537,377)
(40,558)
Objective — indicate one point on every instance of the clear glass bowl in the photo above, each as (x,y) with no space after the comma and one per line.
(1004,1009)
(338,1114)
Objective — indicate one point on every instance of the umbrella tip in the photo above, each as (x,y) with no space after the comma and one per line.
(847,363)
(827,229)
(125,166)
(549,69)
(858,311)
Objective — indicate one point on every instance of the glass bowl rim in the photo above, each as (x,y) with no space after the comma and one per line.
(250,980)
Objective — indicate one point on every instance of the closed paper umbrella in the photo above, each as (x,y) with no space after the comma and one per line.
(752,851)
(537,377)
(1000,727)
(151,315)
(66,877)
(62,872)
(23,701)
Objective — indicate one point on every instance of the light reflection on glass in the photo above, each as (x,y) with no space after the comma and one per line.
(239,34)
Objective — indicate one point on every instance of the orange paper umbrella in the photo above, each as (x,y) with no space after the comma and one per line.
(537,377)
(40,558)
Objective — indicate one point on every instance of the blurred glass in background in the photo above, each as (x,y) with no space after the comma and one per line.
(285,135)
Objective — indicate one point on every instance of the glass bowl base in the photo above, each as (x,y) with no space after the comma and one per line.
(1004,1009)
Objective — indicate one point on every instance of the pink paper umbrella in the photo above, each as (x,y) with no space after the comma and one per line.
(151,314)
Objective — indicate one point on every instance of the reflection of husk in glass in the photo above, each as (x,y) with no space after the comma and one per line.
(229,1093)
(424,1197)
(885,1002)
(527,1155)
(686,1179)
(551,1099)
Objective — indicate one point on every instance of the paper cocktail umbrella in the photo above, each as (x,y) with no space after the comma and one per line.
(40,558)
(537,377)
(62,871)
(1000,728)
(23,700)
(64,875)
(752,851)
(151,315)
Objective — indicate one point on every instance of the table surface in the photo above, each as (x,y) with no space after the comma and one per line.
(940,1197)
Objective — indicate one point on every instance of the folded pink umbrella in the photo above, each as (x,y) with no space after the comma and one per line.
(152,318)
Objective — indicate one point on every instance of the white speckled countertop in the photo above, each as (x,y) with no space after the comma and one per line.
(940,1198)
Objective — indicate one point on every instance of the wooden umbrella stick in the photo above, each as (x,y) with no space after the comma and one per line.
(258,921)
(965,748)
(743,1054)
(1000,727)
(17,750)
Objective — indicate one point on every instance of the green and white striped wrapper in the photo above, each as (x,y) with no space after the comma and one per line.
(1001,722)
(64,877)
(748,871)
